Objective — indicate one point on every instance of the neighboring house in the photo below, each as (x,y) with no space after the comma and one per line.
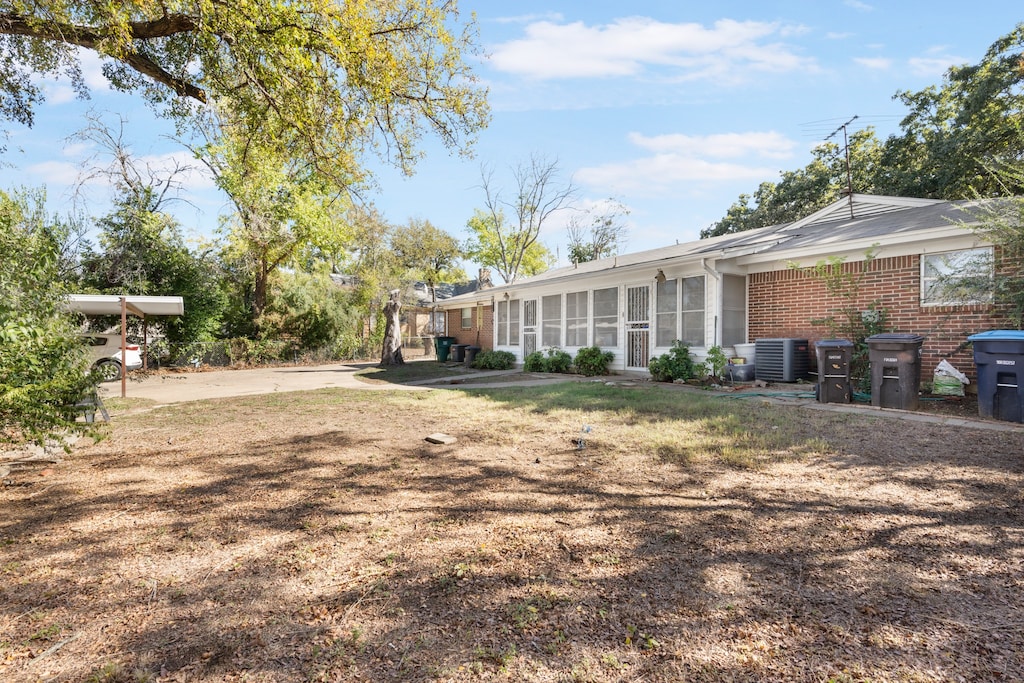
(742,287)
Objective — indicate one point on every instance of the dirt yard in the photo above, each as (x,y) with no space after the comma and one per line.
(571,533)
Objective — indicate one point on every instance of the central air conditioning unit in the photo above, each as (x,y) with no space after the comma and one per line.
(782,360)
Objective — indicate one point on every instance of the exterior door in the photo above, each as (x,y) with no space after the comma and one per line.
(529,327)
(638,326)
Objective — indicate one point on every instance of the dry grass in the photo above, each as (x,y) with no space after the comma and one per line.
(317,536)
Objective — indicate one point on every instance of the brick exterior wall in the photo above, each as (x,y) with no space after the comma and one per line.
(782,303)
(481,333)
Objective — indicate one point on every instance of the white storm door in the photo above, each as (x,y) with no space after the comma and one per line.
(638,326)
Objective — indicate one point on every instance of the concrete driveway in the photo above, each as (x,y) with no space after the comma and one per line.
(195,386)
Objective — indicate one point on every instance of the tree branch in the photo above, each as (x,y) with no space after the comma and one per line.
(91,38)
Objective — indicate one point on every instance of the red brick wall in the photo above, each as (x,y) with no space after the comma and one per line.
(783,302)
(481,333)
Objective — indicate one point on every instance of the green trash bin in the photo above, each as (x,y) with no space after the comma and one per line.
(442,346)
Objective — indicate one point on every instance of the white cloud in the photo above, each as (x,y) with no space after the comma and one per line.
(635,45)
(55,173)
(858,5)
(933,67)
(727,145)
(684,159)
(880,63)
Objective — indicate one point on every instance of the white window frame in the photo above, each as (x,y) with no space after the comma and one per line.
(703,310)
(467,318)
(550,320)
(944,264)
(666,312)
(576,328)
(609,323)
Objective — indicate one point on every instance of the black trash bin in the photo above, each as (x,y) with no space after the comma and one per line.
(459,352)
(999,356)
(471,352)
(895,370)
(442,347)
(834,358)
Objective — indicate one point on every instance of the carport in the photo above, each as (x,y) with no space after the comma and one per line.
(136,304)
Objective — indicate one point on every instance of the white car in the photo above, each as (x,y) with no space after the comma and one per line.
(105,351)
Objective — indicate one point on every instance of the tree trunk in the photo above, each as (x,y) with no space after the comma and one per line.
(392,352)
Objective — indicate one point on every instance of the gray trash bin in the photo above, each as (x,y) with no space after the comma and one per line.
(895,370)
(459,352)
(834,358)
(471,352)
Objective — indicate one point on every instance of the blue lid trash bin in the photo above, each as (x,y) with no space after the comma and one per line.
(835,356)
(442,347)
(999,358)
(895,370)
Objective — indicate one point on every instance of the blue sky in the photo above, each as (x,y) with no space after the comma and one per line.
(672,108)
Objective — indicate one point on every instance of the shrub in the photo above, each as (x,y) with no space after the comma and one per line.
(534,362)
(494,360)
(591,361)
(716,360)
(556,360)
(676,364)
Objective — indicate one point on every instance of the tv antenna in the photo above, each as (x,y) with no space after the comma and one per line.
(846,147)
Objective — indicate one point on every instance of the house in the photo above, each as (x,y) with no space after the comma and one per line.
(747,286)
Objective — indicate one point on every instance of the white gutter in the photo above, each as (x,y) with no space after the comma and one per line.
(719,298)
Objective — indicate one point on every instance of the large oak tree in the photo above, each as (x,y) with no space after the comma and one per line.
(337,76)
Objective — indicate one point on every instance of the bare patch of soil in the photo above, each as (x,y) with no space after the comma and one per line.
(318,537)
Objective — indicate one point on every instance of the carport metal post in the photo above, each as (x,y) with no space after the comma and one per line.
(124,346)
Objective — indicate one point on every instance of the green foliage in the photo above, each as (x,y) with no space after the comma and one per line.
(952,138)
(801,192)
(716,360)
(1002,224)
(494,360)
(957,132)
(308,307)
(334,78)
(853,319)
(428,253)
(43,368)
(592,361)
(677,364)
(493,243)
(597,233)
(143,252)
(534,362)
(555,360)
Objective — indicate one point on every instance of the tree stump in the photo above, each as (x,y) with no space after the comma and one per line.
(392,352)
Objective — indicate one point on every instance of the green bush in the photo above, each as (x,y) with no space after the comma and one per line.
(556,360)
(534,362)
(494,360)
(592,361)
(676,364)
(43,366)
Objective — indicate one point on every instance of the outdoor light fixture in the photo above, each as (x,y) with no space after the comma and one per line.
(660,277)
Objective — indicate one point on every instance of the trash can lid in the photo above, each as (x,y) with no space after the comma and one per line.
(894,337)
(833,342)
(998,335)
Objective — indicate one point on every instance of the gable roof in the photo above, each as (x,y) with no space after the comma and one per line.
(847,223)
